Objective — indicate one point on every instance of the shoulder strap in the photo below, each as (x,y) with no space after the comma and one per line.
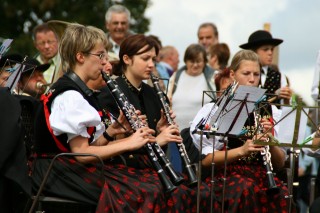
(75,78)
(45,100)
(178,73)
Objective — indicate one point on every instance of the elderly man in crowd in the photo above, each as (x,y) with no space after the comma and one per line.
(117,20)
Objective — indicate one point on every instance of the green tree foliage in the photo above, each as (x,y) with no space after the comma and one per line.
(18,18)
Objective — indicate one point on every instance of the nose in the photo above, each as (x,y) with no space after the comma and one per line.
(151,63)
(46,44)
(251,78)
(108,67)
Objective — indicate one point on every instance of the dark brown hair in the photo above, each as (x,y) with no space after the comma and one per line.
(212,25)
(222,52)
(193,51)
(41,28)
(131,46)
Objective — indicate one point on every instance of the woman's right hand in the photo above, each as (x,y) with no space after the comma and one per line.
(140,138)
(249,146)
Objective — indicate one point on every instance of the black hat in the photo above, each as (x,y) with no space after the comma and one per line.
(259,38)
(33,64)
(12,57)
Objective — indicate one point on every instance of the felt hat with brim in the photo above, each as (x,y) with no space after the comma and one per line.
(259,38)
(13,58)
(33,64)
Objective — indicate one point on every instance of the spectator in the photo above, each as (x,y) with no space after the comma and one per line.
(186,86)
(47,43)
(117,21)
(168,63)
(208,35)
(219,55)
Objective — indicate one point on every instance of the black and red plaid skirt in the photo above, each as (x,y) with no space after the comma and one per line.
(118,189)
(246,189)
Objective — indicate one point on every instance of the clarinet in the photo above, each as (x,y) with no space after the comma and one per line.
(266,157)
(190,173)
(136,123)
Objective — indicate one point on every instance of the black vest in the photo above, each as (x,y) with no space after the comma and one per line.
(44,142)
(273,82)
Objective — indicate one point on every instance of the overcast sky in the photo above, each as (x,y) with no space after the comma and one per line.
(297,22)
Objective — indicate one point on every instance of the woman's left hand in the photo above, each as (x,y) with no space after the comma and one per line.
(169,134)
(163,122)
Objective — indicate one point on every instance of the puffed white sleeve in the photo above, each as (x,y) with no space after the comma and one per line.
(207,143)
(72,114)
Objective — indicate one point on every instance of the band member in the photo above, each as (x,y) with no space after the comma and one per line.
(275,82)
(137,58)
(7,63)
(246,183)
(32,82)
(71,120)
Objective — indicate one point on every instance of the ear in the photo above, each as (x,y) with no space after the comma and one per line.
(126,59)
(80,57)
(232,74)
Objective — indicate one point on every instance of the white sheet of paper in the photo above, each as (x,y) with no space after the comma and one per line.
(286,126)
(15,76)
(5,46)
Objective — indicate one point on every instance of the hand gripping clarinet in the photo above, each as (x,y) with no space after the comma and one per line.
(191,175)
(266,156)
(136,123)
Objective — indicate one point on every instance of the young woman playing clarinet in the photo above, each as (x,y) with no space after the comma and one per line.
(137,56)
(246,187)
(71,120)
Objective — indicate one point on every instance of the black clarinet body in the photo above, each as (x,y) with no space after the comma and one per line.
(272,186)
(136,123)
(192,178)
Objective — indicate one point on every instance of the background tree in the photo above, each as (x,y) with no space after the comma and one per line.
(18,18)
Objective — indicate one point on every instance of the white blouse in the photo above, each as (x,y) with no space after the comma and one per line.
(207,143)
(72,114)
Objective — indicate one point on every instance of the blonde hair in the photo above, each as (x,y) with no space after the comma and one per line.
(79,38)
(242,55)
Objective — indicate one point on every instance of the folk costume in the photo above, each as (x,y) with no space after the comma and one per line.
(246,180)
(72,109)
(147,101)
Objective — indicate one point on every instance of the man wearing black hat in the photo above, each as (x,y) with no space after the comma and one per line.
(7,62)
(263,44)
(32,82)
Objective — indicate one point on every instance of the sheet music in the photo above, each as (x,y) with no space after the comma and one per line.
(239,108)
(5,46)
(15,76)
(286,126)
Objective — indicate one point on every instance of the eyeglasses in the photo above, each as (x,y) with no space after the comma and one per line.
(43,43)
(100,55)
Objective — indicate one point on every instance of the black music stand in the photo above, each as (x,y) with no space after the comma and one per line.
(228,120)
(293,119)
(233,117)
(15,76)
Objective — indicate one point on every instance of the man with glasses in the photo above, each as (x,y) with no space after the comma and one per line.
(46,42)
